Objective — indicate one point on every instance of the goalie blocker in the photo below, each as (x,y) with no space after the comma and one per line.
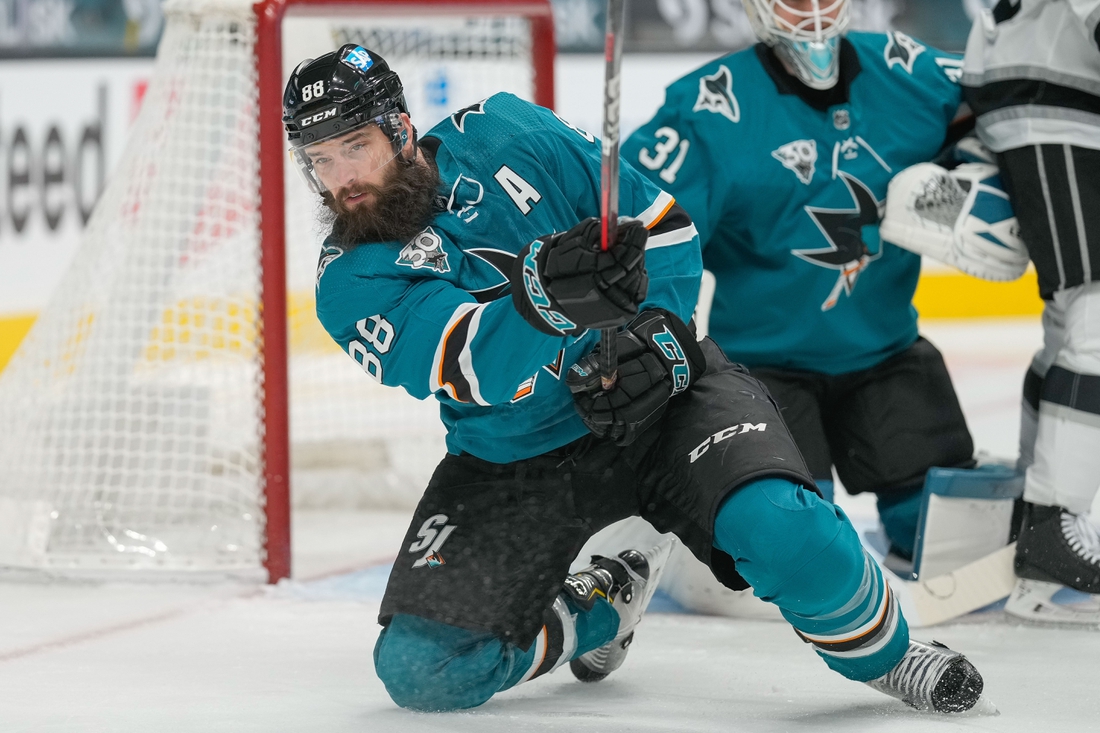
(960,217)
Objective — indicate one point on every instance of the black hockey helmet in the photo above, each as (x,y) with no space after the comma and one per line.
(339,92)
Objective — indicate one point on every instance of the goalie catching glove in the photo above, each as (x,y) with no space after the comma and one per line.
(960,217)
(658,359)
(564,283)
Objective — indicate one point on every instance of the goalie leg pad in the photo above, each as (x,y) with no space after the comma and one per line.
(965,515)
(961,217)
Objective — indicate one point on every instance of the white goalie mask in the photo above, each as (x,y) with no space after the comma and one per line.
(805,34)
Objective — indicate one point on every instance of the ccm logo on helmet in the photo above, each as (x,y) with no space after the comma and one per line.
(319,117)
(724,433)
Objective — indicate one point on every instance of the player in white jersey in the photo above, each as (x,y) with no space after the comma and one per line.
(1032,75)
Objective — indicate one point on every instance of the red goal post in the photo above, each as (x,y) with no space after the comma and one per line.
(270,15)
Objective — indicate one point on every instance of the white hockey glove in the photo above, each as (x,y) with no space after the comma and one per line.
(961,217)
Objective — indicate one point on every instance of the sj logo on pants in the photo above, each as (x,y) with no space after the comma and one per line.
(431,536)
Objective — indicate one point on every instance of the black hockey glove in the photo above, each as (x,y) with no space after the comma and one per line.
(658,359)
(563,283)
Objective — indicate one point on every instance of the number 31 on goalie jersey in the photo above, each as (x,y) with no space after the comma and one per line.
(668,140)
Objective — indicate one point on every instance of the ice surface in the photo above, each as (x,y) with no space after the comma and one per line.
(143,659)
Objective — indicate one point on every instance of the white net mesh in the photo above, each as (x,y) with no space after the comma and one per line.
(132,412)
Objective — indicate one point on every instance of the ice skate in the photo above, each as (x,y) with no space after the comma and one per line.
(628,581)
(1034,600)
(1058,546)
(932,677)
(1058,565)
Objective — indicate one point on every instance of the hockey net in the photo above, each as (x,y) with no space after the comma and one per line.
(145,416)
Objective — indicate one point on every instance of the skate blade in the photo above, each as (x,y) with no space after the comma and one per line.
(657,557)
(1040,602)
(984,708)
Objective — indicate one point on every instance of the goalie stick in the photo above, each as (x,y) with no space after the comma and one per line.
(926,602)
(609,169)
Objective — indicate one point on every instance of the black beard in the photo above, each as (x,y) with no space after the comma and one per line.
(401,208)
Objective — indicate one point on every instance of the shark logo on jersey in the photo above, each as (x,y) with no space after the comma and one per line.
(843,230)
(716,95)
(328,254)
(500,261)
(465,195)
(901,50)
(459,117)
(800,157)
(425,250)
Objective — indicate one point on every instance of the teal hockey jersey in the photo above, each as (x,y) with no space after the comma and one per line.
(787,196)
(435,316)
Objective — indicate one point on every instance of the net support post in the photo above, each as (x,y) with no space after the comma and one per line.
(273,380)
(274,377)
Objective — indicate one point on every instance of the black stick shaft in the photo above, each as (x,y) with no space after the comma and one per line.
(609,168)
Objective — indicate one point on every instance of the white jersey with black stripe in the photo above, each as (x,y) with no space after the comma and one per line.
(1032,73)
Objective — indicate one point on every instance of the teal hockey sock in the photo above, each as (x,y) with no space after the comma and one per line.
(431,666)
(803,555)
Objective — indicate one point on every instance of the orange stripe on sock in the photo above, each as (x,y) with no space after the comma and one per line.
(878,622)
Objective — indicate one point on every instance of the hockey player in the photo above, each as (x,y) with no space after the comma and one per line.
(781,154)
(465,265)
(1032,75)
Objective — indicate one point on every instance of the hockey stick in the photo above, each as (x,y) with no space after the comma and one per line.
(948,596)
(609,170)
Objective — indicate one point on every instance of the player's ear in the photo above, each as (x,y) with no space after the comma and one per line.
(408,137)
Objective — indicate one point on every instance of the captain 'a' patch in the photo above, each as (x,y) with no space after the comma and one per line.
(847,252)
(799,156)
(716,95)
